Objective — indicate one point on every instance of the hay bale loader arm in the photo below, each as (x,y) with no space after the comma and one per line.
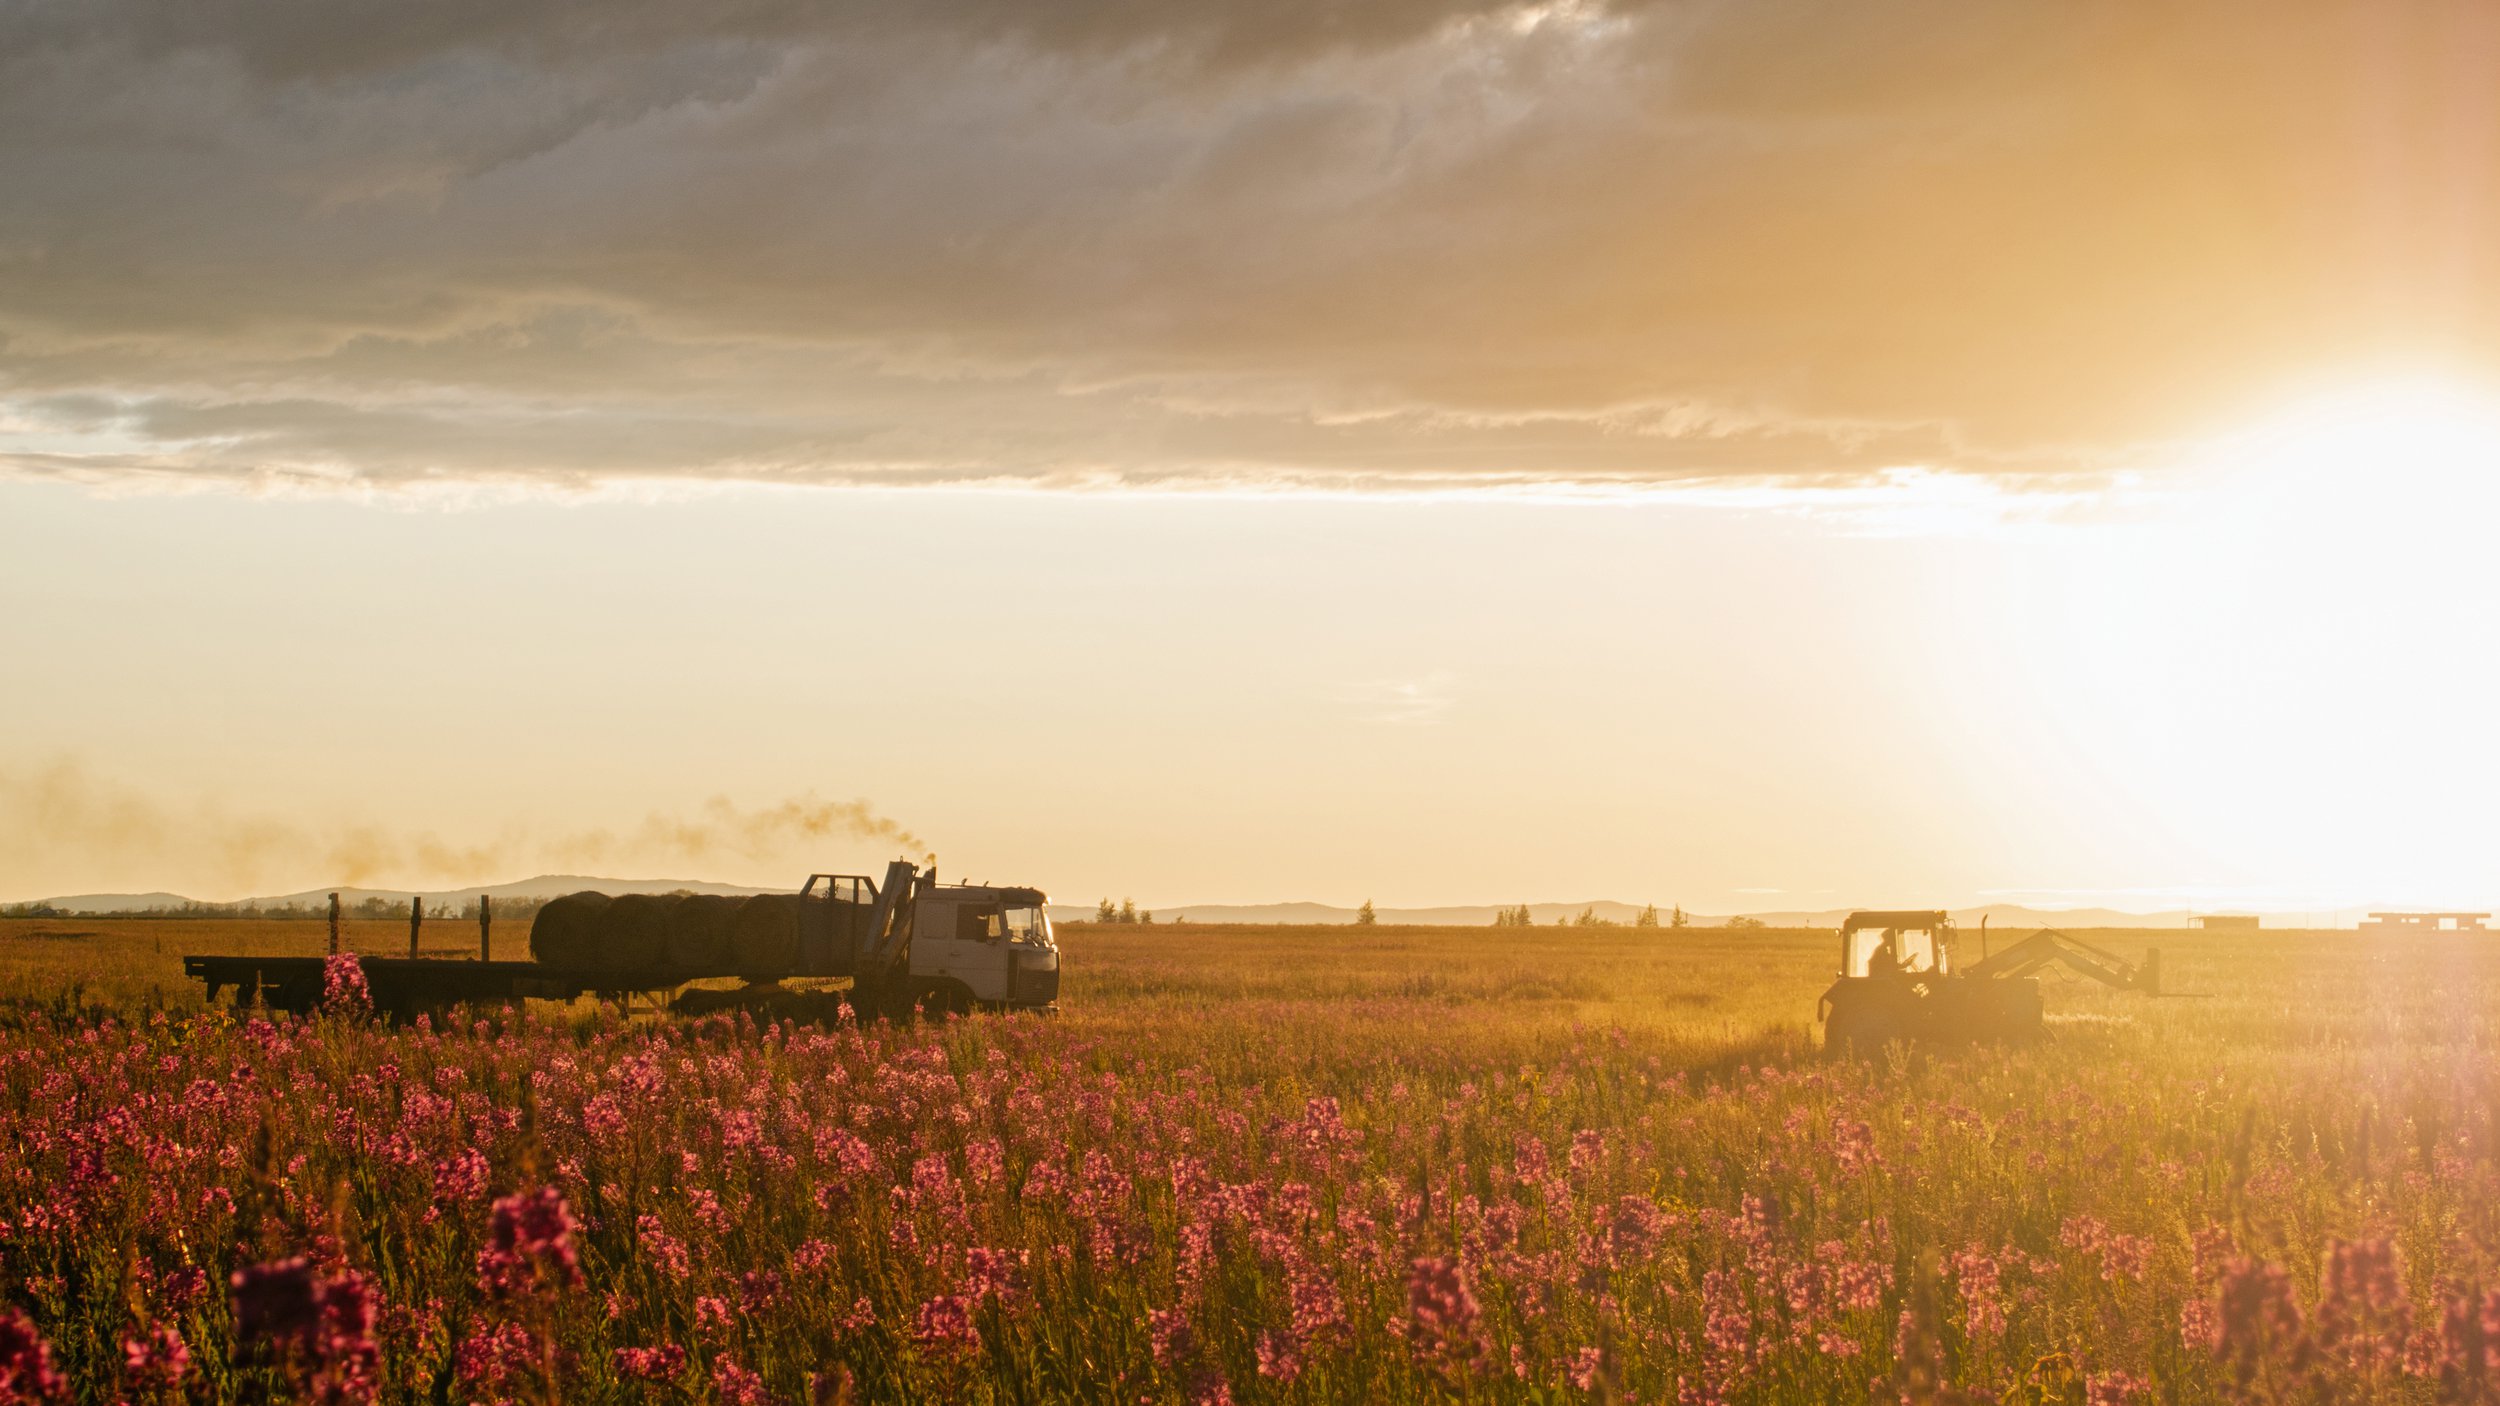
(2048,946)
(879,981)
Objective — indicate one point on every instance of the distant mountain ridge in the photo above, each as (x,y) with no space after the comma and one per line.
(1999,916)
(544,886)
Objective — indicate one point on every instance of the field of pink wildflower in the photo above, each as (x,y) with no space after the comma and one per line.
(1308,1166)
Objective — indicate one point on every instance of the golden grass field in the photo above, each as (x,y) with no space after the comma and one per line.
(2271,990)
(1263,1164)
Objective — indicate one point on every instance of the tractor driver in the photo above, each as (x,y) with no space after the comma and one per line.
(1882,963)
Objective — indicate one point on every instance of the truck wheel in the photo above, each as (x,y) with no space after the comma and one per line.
(872,1001)
(944,1000)
(862,1005)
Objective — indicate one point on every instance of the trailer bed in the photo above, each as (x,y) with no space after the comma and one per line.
(405,985)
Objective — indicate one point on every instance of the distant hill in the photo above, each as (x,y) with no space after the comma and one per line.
(2004,915)
(2000,916)
(1476,915)
(116,902)
(544,886)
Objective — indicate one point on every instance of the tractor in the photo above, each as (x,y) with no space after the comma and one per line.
(1901,979)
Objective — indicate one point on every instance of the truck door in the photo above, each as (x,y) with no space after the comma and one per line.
(964,941)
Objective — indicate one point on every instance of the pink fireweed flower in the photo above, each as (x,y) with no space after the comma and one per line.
(26,1362)
(1638,1226)
(1588,1366)
(1442,1317)
(759,1290)
(343,983)
(2363,1315)
(1318,1310)
(2200,1327)
(1278,1357)
(651,1364)
(156,1360)
(1975,1273)
(319,1328)
(1860,1284)
(944,1326)
(994,1274)
(1169,1335)
(736,1385)
(530,1245)
(2122,1257)
(663,1249)
(274,1304)
(350,1359)
(2467,1360)
(1588,1150)
(2258,1323)
(2212,1253)
(1852,1144)
(499,1356)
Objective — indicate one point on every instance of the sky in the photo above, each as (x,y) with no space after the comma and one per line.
(1739,455)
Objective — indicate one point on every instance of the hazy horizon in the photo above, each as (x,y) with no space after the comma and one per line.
(1468,911)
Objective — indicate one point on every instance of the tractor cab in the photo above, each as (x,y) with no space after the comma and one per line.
(1896,943)
(1899,981)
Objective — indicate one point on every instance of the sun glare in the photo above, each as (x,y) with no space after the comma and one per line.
(2415,455)
(2287,664)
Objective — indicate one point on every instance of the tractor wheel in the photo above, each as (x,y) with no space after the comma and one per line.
(1859,1028)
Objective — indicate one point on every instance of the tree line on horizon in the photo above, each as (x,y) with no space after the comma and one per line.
(1522,917)
(371,907)
(1127,913)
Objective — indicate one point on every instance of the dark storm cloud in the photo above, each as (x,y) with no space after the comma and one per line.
(1372,244)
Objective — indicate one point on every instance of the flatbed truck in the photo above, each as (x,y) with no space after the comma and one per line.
(909,945)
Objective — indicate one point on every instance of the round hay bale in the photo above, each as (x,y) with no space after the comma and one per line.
(764,939)
(566,931)
(633,932)
(698,932)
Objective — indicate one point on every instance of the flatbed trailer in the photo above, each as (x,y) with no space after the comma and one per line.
(406,985)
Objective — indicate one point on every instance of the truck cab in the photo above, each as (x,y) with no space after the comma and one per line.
(993,945)
(911,943)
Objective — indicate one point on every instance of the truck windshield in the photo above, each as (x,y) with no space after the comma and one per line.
(1028,925)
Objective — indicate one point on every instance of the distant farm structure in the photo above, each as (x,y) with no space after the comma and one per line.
(2390,924)
(2227,922)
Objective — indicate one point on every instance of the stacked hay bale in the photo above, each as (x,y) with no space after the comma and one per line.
(699,933)
(566,931)
(693,933)
(764,936)
(633,932)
